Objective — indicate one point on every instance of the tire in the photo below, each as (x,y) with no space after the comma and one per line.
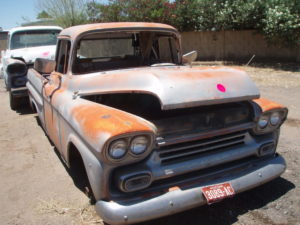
(13,101)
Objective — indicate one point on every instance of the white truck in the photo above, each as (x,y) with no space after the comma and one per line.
(25,44)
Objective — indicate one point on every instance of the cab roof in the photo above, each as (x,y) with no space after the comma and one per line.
(75,31)
(26,28)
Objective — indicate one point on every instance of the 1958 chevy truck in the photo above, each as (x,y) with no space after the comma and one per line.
(156,136)
(25,44)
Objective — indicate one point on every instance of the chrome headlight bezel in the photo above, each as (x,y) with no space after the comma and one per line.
(137,147)
(263,121)
(116,148)
(274,119)
(129,155)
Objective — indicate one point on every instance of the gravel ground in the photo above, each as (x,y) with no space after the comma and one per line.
(36,188)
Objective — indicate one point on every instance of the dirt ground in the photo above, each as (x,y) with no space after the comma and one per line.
(36,188)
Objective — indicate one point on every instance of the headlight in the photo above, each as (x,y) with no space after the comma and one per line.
(263,121)
(270,121)
(117,149)
(139,145)
(275,119)
(130,148)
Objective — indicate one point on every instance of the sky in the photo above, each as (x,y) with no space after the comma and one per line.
(12,11)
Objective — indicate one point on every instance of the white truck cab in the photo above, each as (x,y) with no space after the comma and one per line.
(25,44)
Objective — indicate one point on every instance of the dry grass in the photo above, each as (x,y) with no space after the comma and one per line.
(85,214)
(273,77)
(268,74)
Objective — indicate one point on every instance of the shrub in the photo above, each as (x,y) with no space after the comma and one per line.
(278,20)
(281,22)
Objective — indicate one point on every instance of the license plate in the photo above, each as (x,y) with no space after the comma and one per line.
(217,192)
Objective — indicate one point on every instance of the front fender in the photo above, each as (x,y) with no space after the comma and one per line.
(90,127)
(97,123)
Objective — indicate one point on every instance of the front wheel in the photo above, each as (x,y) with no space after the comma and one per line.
(13,101)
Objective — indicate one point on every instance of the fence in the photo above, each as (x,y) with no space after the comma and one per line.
(236,46)
(226,45)
(3,40)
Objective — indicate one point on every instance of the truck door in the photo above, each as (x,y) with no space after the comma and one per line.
(53,89)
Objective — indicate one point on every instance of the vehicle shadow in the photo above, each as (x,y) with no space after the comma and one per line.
(228,211)
(77,174)
(24,107)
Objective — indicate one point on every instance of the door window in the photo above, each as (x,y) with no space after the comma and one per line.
(62,59)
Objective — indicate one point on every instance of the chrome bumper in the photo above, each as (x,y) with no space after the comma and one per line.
(19,92)
(180,200)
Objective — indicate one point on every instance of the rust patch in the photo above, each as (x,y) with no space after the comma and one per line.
(75,31)
(267,105)
(97,119)
(175,188)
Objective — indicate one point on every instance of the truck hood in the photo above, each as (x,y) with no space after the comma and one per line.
(175,87)
(30,54)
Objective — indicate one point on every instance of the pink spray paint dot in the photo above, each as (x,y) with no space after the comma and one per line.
(221,87)
(45,53)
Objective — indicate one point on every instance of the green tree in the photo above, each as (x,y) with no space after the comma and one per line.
(278,20)
(131,10)
(66,13)
(43,15)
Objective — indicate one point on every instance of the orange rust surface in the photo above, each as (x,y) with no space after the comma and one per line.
(175,188)
(51,122)
(95,119)
(74,31)
(267,105)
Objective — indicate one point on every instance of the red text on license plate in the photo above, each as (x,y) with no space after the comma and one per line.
(217,192)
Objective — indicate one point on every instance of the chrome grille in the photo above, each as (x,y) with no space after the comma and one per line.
(182,151)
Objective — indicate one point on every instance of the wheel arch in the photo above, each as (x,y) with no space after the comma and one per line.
(92,165)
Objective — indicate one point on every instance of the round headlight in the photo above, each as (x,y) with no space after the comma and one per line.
(263,122)
(275,119)
(117,149)
(139,145)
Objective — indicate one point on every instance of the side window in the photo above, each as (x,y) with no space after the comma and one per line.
(62,57)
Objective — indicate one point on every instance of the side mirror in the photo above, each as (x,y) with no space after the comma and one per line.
(189,57)
(44,66)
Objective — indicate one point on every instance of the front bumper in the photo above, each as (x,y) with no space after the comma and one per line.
(19,92)
(179,200)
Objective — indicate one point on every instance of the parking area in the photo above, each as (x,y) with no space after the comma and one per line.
(36,188)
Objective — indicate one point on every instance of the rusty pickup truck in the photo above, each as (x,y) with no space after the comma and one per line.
(154,135)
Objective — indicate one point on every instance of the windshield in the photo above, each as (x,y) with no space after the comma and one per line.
(33,38)
(117,50)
